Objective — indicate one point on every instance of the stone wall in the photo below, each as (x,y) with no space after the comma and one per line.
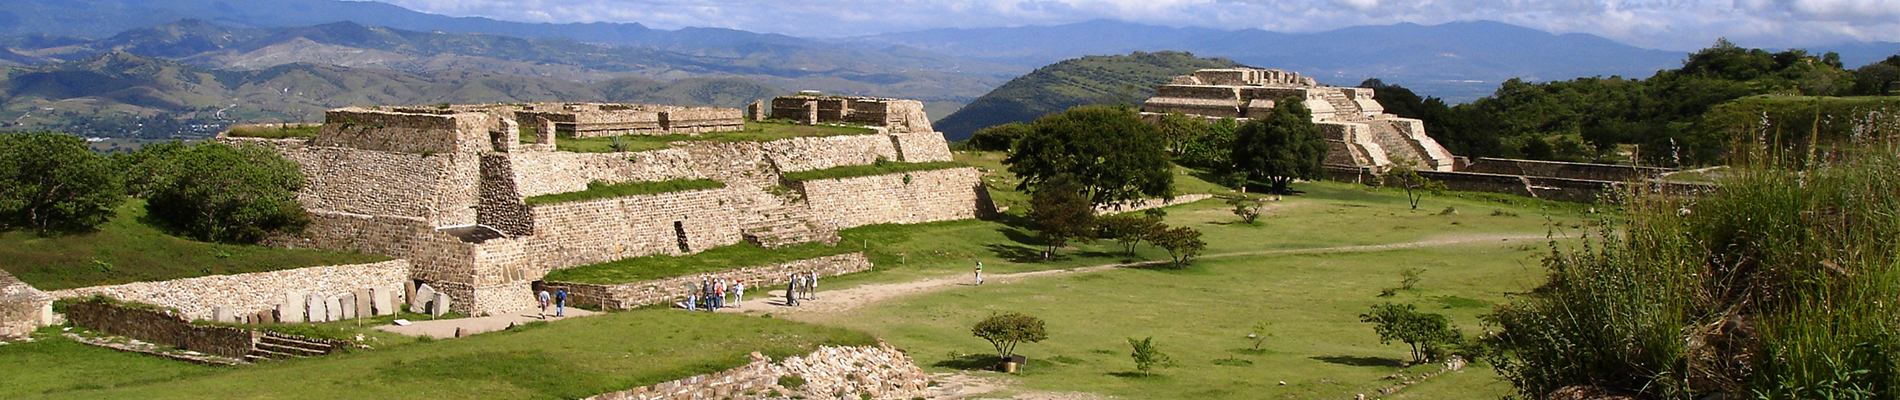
(1145,204)
(23,309)
(547,172)
(161,327)
(670,290)
(433,254)
(814,153)
(919,147)
(1566,170)
(338,179)
(903,198)
(832,372)
(407,131)
(593,231)
(246,294)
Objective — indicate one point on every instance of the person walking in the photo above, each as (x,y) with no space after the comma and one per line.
(979,273)
(738,293)
(791,290)
(560,302)
(543,296)
(812,285)
(692,300)
(719,294)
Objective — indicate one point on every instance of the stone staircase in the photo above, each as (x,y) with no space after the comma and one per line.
(1344,107)
(277,346)
(781,226)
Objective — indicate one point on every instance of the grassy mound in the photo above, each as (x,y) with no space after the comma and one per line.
(125,250)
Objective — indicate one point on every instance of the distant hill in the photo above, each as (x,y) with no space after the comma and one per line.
(1459,61)
(119,94)
(1125,79)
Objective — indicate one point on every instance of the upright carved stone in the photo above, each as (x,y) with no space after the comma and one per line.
(382,301)
(420,302)
(364,308)
(317,307)
(293,309)
(347,303)
(440,305)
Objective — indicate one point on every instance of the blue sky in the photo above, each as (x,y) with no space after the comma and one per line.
(1663,24)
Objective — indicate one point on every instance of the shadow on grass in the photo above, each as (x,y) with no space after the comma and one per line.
(969,362)
(1252,351)
(1358,361)
(1137,375)
(1018,253)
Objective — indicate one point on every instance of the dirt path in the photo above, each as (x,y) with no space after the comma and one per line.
(839,301)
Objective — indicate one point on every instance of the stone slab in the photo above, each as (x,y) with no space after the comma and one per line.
(332,308)
(363,307)
(382,301)
(292,311)
(316,308)
(346,305)
(220,314)
(419,303)
(440,305)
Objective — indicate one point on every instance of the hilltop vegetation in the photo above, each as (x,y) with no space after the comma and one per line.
(1124,80)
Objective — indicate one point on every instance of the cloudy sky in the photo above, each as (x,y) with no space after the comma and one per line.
(1663,24)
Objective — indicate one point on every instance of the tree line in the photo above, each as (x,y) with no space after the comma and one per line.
(51,184)
(1656,121)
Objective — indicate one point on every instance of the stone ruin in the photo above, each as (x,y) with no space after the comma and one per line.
(1365,142)
(447,189)
(23,309)
(1358,131)
(813,109)
(591,120)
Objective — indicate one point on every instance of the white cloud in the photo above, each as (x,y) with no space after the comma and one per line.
(1668,24)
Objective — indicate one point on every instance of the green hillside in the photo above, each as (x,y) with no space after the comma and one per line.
(119,94)
(1125,79)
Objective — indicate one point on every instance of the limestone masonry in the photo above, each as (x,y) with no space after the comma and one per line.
(446,188)
(1365,142)
(22,308)
(1357,128)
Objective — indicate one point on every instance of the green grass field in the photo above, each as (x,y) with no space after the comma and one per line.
(567,359)
(754,132)
(126,250)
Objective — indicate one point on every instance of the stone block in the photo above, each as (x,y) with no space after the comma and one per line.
(419,302)
(440,305)
(382,301)
(347,303)
(315,307)
(220,314)
(266,317)
(46,314)
(364,309)
(332,308)
(292,311)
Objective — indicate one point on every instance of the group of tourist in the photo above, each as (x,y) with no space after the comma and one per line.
(711,295)
(800,286)
(559,300)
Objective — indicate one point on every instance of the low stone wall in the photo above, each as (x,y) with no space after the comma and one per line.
(815,153)
(903,198)
(23,309)
(919,147)
(161,327)
(585,232)
(1565,170)
(407,130)
(1145,204)
(831,372)
(669,290)
(248,294)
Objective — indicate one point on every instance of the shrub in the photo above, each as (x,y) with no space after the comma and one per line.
(219,193)
(1148,356)
(1426,333)
(1182,243)
(1006,330)
(52,183)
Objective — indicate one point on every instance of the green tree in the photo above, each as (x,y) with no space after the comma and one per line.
(1426,333)
(1110,153)
(1058,213)
(1148,356)
(1006,330)
(1213,150)
(228,194)
(1128,229)
(1283,146)
(1261,331)
(997,137)
(1405,176)
(1247,208)
(1182,243)
(148,167)
(52,183)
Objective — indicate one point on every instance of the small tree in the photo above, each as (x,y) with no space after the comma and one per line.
(996,137)
(1405,176)
(1128,229)
(1247,208)
(1260,333)
(229,194)
(1426,333)
(1109,153)
(51,182)
(1006,330)
(1182,243)
(1148,356)
(1058,213)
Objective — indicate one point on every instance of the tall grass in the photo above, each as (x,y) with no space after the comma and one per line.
(1779,284)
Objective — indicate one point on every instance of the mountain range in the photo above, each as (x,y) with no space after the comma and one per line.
(947,68)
